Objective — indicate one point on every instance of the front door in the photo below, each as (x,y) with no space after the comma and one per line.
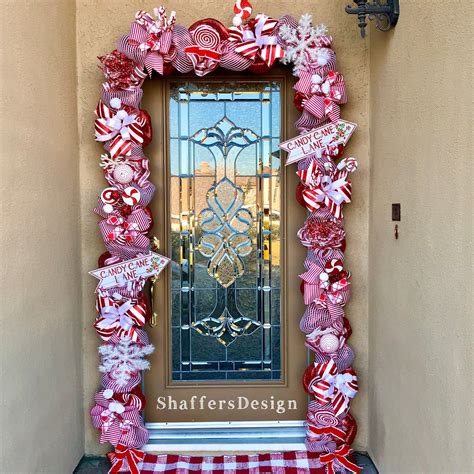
(228,345)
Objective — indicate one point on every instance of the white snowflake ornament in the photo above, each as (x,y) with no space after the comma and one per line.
(302,44)
(124,360)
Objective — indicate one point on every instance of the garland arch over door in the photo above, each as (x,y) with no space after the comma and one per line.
(157,44)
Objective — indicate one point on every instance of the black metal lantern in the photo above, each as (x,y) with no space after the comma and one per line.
(384,13)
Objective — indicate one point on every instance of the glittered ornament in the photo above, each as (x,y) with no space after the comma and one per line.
(329,343)
(123,173)
(126,210)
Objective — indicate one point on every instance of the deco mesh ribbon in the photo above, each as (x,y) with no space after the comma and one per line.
(157,43)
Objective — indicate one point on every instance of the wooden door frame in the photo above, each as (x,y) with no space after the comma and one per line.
(242,436)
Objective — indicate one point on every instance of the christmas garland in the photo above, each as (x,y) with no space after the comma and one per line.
(157,44)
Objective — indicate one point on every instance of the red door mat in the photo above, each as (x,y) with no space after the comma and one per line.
(296,462)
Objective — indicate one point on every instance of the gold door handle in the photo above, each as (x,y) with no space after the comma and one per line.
(153,280)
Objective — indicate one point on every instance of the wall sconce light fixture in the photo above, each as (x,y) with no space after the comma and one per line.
(385,13)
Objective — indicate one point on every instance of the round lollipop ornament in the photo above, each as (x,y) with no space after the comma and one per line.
(110,195)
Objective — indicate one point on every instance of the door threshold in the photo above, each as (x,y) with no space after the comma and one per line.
(225,437)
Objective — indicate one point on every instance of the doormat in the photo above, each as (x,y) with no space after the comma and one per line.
(295,462)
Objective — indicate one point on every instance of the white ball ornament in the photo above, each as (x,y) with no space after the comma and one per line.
(108,393)
(107,208)
(237,20)
(123,173)
(116,407)
(329,343)
(115,103)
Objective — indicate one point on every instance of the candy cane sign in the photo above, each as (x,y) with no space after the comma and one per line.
(317,141)
(130,270)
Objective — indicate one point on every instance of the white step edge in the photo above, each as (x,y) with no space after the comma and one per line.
(220,437)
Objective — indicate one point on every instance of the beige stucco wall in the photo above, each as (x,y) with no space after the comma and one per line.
(99,24)
(42,423)
(420,286)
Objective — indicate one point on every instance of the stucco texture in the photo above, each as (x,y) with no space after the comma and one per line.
(420,290)
(42,422)
(99,24)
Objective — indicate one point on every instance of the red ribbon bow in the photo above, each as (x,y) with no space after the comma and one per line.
(259,40)
(329,430)
(331,386)
(130,455)
(120,127)
(340,455)
(121,317)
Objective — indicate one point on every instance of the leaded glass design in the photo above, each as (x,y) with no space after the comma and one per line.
(225,200)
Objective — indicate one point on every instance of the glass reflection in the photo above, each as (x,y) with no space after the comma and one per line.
(225,230)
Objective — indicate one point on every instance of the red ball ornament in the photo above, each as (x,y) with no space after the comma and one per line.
(298,101)
(103,258)
(126,210)
(143,301)
(168,69)
(137,391)
(343,245)
(147,129)
(259,67)
(150,215)
(340,151)
(115,195)
(299,194)
(308,376)
(350,427)
(347,327)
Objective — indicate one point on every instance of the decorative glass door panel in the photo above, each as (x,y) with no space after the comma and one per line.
(228,306)
(225,218)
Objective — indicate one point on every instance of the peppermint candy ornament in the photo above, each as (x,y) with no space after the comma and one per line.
(242,10)
(131,196)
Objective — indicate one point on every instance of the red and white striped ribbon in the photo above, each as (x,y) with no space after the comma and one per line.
(126,457)
(330,191)
(120,317)
(260,40)
(119,128)
(330,386)
(340,456)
